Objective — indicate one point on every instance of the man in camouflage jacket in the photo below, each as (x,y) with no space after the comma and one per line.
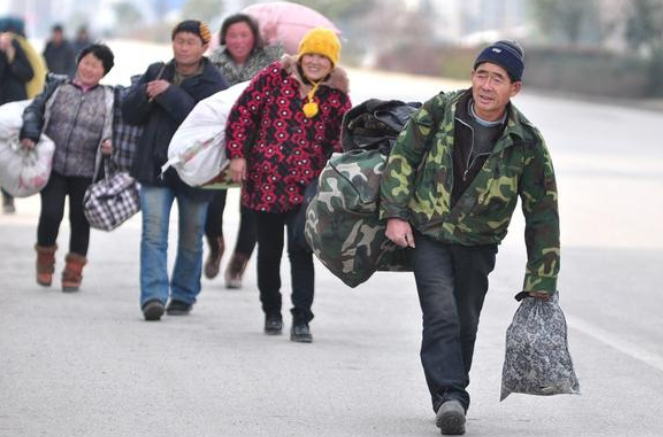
(448,191)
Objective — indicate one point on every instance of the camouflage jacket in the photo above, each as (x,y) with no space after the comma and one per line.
(418,179)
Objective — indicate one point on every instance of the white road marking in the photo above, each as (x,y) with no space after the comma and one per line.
(605,337)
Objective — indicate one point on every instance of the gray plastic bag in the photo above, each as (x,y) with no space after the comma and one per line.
(537,360)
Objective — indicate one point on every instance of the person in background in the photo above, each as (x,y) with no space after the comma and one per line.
(59,54)
(79,114)
(82,39)
(240,56)
(15,72)
(448,192)
(159,101)
(279,136)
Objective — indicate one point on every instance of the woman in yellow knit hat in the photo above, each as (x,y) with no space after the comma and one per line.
(279,136)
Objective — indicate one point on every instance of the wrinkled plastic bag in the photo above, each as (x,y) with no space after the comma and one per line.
(537,360)
(22,172)
(197,150)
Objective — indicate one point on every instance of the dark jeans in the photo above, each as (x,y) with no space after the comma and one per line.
(270,250)
(452,282)
(52,210)
(246,237)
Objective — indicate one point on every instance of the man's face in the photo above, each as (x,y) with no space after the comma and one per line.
(491,89)
(58,36)
(188,49)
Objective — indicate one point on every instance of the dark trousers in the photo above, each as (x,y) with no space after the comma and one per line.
(452,282)
(270,250)
(52,211)
(246,237)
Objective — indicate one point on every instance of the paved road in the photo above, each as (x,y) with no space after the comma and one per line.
(86,364)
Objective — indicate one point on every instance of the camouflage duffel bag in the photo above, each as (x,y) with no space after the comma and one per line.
(342,224)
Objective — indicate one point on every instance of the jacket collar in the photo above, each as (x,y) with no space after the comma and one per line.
(338,78)
(516,123)
(209,73)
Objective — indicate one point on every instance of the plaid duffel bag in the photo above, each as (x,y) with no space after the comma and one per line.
(112,200)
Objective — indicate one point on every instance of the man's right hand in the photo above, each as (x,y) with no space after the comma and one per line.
(400,232)
(27,143)
(5,40)
(156,87)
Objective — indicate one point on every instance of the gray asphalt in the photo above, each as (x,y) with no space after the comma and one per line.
(86,364)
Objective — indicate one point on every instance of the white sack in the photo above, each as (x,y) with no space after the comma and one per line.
(197,150)
(22,172)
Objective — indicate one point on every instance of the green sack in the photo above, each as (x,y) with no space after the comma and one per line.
(342,224)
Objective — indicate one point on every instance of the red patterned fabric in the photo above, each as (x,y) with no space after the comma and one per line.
(284,150)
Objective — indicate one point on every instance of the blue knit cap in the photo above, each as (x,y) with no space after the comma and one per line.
(506,54)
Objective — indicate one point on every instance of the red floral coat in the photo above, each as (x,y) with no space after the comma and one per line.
(284,150)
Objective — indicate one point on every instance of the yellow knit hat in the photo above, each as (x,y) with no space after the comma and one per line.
(322,42)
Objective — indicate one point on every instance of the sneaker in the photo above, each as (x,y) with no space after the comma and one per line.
(451,418)
(178,308)
(300,332)
(153,310)
(273,324)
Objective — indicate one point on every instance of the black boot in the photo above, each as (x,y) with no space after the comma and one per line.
(300,331)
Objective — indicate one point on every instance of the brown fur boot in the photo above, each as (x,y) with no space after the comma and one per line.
(45,264)
(72,275)
(213,262)
(235,270)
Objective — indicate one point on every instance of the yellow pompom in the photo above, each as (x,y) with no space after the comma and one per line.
(310,109)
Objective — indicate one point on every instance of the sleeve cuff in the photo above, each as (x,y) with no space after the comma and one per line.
(534,282)
(234,152)
(388,213)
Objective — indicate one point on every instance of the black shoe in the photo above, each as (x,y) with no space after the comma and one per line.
(300,332)
(273,324)
(451,418)
(153,310)
(178,308)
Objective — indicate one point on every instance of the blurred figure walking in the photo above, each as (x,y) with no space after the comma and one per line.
(81,40)
(59,53)
(15,72)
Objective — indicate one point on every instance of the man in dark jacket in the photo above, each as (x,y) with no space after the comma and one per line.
(82,40)
(160,101)
(59,53)
(15,72)
(448,191)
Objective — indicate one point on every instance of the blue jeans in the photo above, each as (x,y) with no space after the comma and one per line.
(452,282)
(156,203)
